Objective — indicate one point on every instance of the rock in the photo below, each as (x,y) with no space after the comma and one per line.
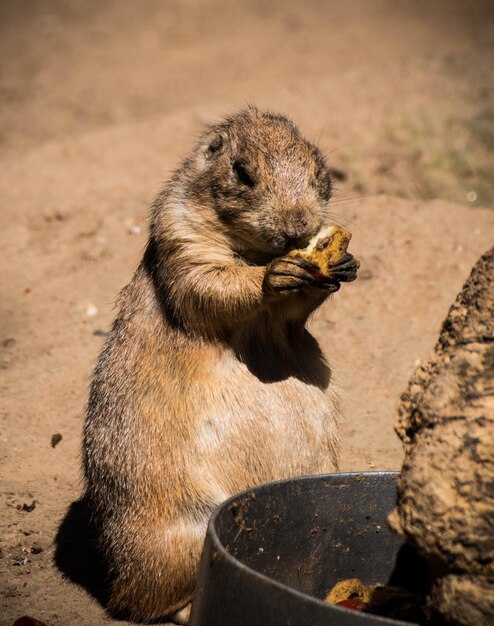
(446,487)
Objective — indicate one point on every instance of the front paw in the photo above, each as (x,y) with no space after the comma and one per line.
(343,271)
(289,274)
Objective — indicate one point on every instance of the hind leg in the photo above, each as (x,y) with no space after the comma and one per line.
(155,568)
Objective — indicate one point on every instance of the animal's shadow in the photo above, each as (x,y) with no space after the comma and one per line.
(79,558)
(77,554)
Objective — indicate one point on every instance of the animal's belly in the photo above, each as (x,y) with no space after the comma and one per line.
(250,431)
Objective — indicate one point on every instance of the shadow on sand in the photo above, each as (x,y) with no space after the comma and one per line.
(76,552)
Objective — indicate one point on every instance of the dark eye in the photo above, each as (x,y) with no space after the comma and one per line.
(242,174)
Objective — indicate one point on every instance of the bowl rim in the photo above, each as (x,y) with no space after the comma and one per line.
(366,618)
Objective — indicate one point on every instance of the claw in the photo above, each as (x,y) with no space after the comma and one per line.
(344,259)
(328,286)
(345,270)
(303,263)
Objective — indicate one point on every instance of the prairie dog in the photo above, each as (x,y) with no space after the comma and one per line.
(209,382)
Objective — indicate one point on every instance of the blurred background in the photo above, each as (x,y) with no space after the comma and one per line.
(403,89)
(100,100)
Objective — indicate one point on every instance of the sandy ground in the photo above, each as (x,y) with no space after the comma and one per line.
(99,102)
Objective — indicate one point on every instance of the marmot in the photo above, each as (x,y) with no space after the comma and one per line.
(209,382)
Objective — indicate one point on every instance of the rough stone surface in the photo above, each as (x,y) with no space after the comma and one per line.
(446,488)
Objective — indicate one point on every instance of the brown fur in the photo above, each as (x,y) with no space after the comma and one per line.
(209,382)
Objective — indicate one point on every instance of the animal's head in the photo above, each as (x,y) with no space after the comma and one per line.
(269,186)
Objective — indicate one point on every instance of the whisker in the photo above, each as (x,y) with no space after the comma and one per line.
(339,215)
(341,200)
(340,220)
(346,145)
(320,134)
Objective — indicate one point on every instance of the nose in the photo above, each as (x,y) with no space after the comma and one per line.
(299,228)
(294,242)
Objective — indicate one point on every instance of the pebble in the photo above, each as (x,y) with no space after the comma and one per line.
(56,439)
(28,508)
(99,332)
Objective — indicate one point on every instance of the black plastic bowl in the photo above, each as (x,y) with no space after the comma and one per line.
(271,554)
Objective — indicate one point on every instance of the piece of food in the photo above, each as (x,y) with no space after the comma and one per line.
(326,248)
(385,600)
(355,605)
(350,589)
(25,620)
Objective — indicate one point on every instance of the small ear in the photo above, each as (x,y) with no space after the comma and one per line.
(323,181)
(216,145)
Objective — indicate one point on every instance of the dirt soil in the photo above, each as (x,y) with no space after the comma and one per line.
(100,100)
